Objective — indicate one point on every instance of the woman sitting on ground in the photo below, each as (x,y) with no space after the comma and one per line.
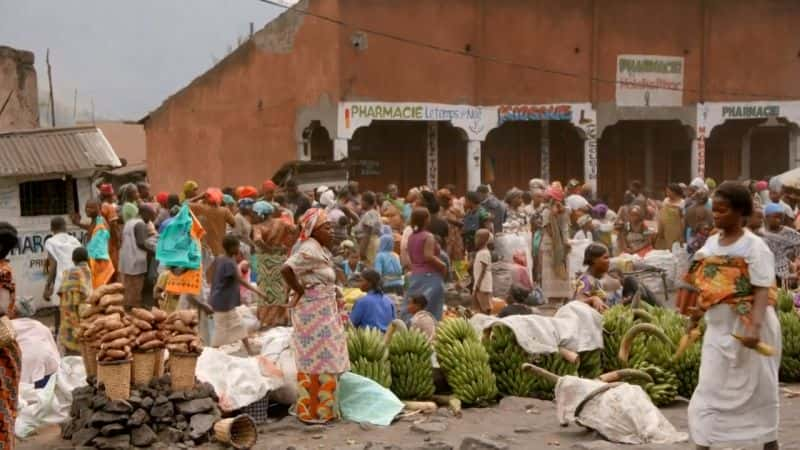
(375,309)
(589,286)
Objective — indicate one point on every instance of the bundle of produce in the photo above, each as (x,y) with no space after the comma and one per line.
(151,335)
(785,301)
(790,356)
(412,371)
(465,362)
(105,326)
(179,332)
(369,356)
(617,320)
(591,363)
(544,388)
(506,358)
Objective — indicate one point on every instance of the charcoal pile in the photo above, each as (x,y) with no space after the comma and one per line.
(152,414)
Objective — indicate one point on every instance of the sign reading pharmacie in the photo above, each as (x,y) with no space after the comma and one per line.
(476,121)
(649,80)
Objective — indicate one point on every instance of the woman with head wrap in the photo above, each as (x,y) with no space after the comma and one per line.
(554,247)
(635,237)
(272,238)
(782,240)
(10,355)
(189,191)
(516,219)
(319,342)
(129,197)
(387,264)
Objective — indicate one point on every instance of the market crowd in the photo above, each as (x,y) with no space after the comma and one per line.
(294,256)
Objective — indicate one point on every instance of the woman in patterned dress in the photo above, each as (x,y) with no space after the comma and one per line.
(10,356)
(319,340)
(273,238)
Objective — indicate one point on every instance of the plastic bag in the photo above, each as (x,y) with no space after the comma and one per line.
(362,400)
(176,245)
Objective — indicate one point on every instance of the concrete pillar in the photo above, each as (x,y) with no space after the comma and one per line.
(473,165)
(590,165)
(648,156)
(432,160)
(544,146)
(340,149)
(745,155)
(698,162)
(794,147)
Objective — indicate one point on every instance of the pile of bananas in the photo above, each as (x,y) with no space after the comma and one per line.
(465,363)
(506,358)
(369,356)
(412,371)
(617,320)
(553,363)
(790,356)
(591,364)
(664,388)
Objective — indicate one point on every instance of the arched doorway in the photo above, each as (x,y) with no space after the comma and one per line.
(655,152)
(399,150)
(452,157)
(319,142)
(511,155)
(566,152)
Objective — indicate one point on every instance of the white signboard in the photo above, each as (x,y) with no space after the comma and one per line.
(649,80)
(476,121)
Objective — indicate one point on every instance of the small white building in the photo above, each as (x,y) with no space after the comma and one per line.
(46,173)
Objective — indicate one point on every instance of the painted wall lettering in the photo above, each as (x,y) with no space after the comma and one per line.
(750,111)
(513,113)
(649,80)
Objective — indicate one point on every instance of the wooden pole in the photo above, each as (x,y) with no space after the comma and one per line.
(50,82)
(75,106)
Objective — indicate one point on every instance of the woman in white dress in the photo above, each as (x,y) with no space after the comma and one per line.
(555,246)
(736,400)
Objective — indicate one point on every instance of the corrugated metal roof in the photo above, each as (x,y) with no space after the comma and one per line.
(55,151)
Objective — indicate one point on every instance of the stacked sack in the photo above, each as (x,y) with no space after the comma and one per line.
(152,335)
(179,332)
(105,327)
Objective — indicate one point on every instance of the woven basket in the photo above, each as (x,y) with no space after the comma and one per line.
(116,376)
(144,367)
(238,432)
(181,370)
(89,356)
(160,363)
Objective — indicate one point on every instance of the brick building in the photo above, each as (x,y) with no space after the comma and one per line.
(501,91)
(18,95)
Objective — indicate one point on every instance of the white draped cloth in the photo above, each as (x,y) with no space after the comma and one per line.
(60,246)
(736,402)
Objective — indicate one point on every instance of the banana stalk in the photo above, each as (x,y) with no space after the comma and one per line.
(686,341)
(538,371)
(627,341)
(762,347)
(625,375)
(569,355)
(394,326)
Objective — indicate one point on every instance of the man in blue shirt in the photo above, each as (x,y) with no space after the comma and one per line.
(375,309)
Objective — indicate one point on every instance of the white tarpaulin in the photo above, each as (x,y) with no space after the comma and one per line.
(575,326)
(620,412)
(238,381)
(51,404)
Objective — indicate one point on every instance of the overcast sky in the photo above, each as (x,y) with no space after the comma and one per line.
(128,55)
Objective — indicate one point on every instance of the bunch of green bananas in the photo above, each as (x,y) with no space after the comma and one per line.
(785,301)
(412,371)
(465,362)
(369,356)
(591,363)
(664,388)
(617,320)
(790,353)
(554,363)
(506,358)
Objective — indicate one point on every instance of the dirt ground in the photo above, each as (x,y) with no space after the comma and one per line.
(515,423)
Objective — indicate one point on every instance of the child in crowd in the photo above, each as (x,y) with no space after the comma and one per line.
(351,267)
(374,310)
(516,303)
(387,264)
(76,286)
(164,297)
(482,273)
(421,319)
(225,297)
(698,240)
(589,287)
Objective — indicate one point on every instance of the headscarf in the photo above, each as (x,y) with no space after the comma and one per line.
(773,208)
(555,192)
(248,192)
(386,243)
(762,186)
(228,200)
(263,209)
(512,194)
(698,183)
(214,196)
(537,183)
(269,185)
(327,199)
(311,220)
(246,203)
(129,211)
(188,187)
(386,229)
(775,184)
(711,184)
(161,198)
(600,210)
(107,189)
